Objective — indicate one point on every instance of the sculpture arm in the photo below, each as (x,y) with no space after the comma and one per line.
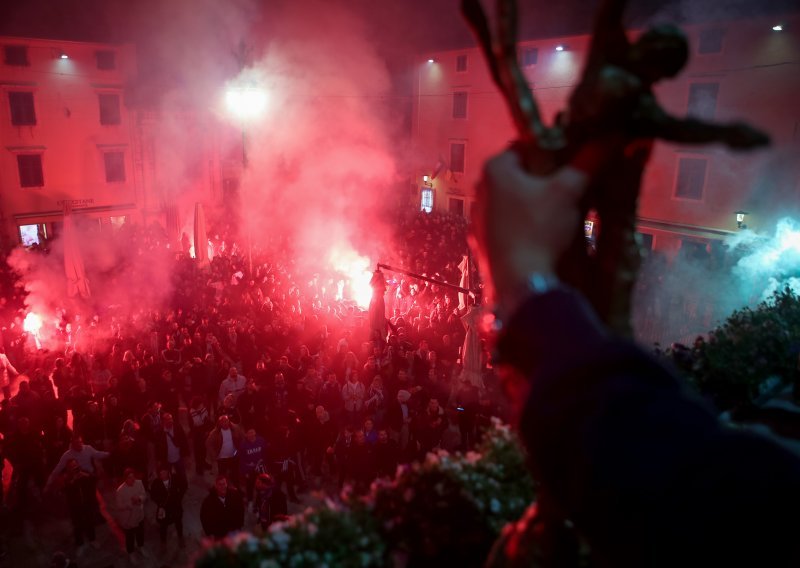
(659,124)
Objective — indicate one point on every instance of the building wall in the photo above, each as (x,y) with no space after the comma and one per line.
(67,132)
(171,153)
(758,73)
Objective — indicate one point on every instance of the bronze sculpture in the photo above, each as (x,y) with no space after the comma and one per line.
(614,102)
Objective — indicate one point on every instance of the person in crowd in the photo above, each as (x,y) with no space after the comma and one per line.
(641,469)
(80,491)
(228,408)
(200,425)
(375,400)
(386,452)
(428,428)
(253,460)
(222,448)
(465,402)
(172,445)
(340,450)
(399,416)
(283,457)
(85,456)
(251,405)
(91,426)
(167,491)
(56,441)
(278,398)
(353,393)
(130,499)
(370,433)
(7,370)
(234,384)
(269,504)
(24,450)
(151,422)
(130,450)
(359,464)
(330,397)
(222,511)
(321,436)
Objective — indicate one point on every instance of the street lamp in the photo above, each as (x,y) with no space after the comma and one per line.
(245,103)
(740,215)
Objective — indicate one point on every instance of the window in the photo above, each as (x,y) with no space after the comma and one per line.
(456,206)
(23,113)
(426,200)
(691,178)
(711,41)
(30,235)
(30,170)
(703,99)
(106,59)
(460,104)
(694,250)
(109,109)
(530,56)
(457,155)
(115,166)
(645,241)
(16,55)
(119,221)
(461,63)
(588,229)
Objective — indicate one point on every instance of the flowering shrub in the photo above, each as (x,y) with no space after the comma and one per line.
(445,511)
(331,535)
(747,349)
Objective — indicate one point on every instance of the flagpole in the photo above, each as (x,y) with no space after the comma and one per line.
(425,278)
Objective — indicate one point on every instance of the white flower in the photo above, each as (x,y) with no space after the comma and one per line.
(473,457)
(280,538)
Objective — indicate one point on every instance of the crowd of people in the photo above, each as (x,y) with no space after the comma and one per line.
(259,384)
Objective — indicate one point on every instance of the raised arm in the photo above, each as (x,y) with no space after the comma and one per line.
(655,122)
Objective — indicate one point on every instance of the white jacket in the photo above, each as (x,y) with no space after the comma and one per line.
(130,512)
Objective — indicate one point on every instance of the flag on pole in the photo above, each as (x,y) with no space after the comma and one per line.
(438,168)
(200,236)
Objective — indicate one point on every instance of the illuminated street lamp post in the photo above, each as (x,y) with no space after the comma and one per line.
(740,215)
(245,103)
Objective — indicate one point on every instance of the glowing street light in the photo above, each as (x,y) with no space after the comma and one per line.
(64,55)
(559,48)
(740,215)
(778,28)
(245,102)
(431,60)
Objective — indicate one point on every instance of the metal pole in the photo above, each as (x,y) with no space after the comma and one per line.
(425,278)
(241,183)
